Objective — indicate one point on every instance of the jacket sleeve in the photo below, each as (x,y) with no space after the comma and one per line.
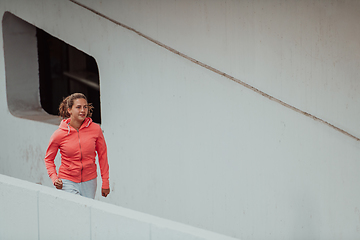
(51,152)
(101,150)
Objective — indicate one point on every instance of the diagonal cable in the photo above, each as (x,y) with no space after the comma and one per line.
(218,72)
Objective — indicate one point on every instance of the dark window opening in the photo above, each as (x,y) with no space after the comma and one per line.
(64,70)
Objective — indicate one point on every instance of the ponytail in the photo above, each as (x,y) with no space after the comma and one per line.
(63,108)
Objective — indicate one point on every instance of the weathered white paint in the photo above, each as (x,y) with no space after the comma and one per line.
(189,145)
(44,213)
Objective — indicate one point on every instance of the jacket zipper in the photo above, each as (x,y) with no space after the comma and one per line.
(81,155)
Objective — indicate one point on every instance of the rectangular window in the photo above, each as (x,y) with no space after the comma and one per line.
(41,70)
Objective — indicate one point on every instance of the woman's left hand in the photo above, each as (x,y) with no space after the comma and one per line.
(105,192)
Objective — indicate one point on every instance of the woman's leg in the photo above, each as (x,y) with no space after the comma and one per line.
(88,188)
(70,186)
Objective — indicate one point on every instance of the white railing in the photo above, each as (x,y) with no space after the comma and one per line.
(31,211)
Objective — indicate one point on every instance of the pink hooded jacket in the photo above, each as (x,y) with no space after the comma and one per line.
(77,149)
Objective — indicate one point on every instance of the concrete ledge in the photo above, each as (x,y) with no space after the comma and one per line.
(31,211)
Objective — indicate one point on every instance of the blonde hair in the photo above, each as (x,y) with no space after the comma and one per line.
(68,102)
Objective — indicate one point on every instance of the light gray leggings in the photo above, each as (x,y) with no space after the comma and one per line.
(86,189)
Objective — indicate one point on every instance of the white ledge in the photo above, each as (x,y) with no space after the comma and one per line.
(38,212)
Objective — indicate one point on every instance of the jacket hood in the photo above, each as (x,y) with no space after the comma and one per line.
(64,124)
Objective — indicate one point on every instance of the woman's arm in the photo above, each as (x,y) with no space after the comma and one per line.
(50,155)
(101,149)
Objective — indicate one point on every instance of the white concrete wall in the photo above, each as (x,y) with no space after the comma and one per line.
(190,145)
(302,52)
(31,211)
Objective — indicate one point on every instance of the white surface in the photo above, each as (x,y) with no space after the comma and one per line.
(302,52)
(30,211)
(188,145)
(18,212)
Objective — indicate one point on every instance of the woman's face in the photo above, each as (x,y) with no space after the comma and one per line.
(79,110)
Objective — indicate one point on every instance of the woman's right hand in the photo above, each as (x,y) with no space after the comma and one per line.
(58,183)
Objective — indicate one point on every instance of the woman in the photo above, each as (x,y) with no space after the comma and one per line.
(78,137)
